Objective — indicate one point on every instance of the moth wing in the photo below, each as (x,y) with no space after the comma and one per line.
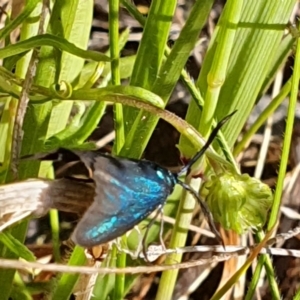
(126,192)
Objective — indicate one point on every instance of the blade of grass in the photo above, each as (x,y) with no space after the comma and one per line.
(118,293)
(263,41)
(6,132)
(286,147)
(263,117)
(71,21)
(217,73)
(151,50)
(255,278)
(28,9)
(178,239)
(284,50)
(115,70)
(16,246)
(67,282)
(271,275)
(53,41)
(54,222)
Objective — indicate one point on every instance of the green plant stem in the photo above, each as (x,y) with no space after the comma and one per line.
(287,140)
(297,295)
(266,260)
(6,133)
(54,221)
(66,282)
(118,293)
(178,239)
(255,278)
(263,117)
(28,9)
(54,41)
(115,70)
(149,60)
(217,74)
(23,291)
(182,126)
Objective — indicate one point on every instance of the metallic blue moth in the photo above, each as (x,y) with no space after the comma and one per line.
(126,192)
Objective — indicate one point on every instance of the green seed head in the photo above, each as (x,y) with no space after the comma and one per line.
(238,202)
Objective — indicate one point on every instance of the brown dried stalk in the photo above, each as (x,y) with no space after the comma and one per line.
(24,97)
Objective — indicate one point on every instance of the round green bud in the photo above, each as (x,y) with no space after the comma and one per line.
(238,202)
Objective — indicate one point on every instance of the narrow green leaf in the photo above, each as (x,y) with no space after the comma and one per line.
(218,69)
(67,282)
(113,18)
(16,246)
(151,51)
(54,41)
(28,9)
(130,91)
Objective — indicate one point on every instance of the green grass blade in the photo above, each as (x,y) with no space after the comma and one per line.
(118,122)
(115,70)
(53,41)
(54,222)
(263,118)
(16,246)
(28,9)
(6,132)
(151,51)
(6,276)
(280,57)
(67,282)
(287,139)
(217,73)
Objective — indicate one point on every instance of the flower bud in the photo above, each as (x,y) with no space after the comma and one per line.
(238,202)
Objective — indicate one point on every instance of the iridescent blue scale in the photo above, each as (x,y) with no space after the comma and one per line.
(126,192)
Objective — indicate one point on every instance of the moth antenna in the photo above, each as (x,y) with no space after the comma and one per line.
(50,156)
(211,137)
(205,210)
(54,155)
